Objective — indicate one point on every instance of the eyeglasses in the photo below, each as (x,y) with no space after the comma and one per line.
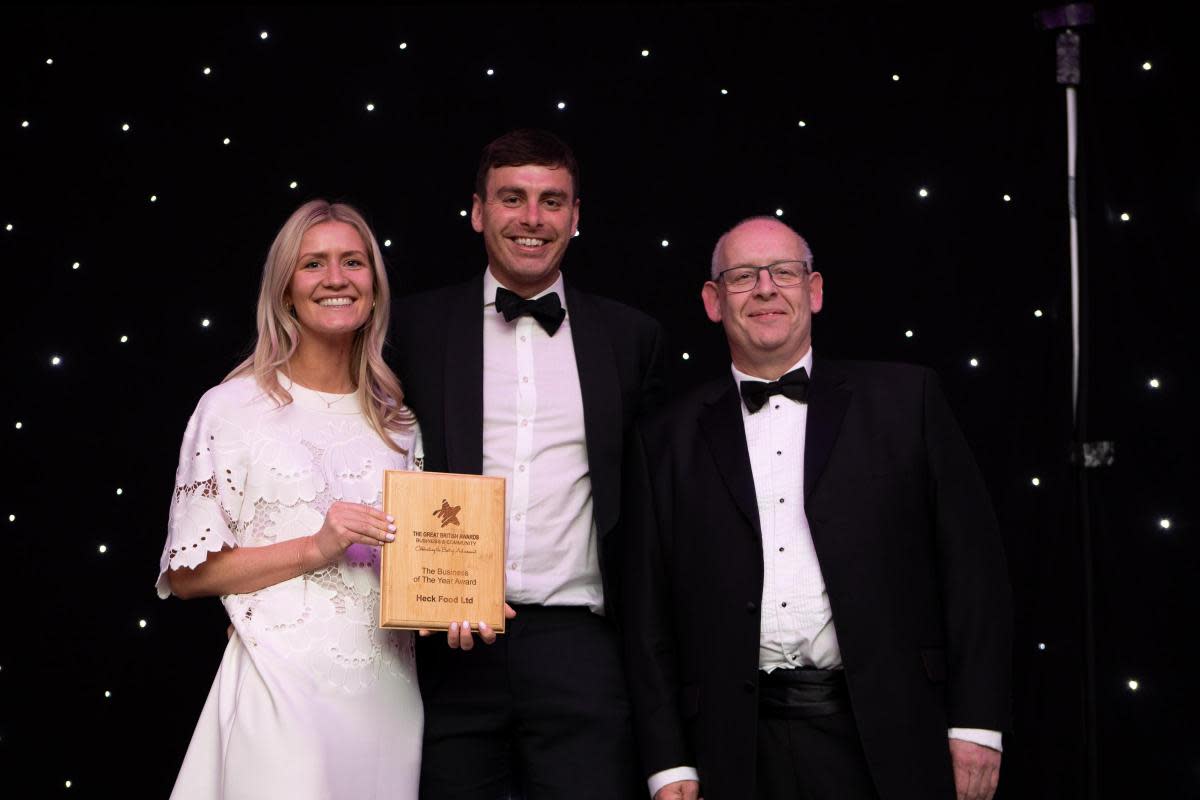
(784,274)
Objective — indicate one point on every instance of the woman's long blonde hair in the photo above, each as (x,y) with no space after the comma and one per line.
(378,389)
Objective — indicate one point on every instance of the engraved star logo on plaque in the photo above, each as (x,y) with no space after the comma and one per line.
(448,513)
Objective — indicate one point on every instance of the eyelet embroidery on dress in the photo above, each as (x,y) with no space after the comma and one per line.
(325,622)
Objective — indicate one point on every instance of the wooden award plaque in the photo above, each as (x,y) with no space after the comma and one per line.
(447,562)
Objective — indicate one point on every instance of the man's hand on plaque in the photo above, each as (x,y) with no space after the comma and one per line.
(679,790)
(459,636)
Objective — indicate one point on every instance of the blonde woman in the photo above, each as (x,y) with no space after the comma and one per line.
(276,510)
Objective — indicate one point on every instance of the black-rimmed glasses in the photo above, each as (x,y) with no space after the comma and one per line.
(784,274)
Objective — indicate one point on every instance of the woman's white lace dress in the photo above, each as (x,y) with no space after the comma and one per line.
(312,698)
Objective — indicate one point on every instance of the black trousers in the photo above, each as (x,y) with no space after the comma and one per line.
(542,713)
(808,745)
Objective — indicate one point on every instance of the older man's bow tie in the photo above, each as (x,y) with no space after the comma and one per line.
(793,385)
(547,309)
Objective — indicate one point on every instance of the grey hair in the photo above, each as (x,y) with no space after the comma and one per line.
(716,256)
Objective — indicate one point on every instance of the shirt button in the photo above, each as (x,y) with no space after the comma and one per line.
(781,549)
(780,499)
(521,468)
(513,565)
(522,338)
(777,406)
(525,424)
(518,516)
(524,379)
(784,604)
(778,452)
(751,607)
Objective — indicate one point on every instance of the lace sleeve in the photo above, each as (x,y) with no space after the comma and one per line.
(209,484)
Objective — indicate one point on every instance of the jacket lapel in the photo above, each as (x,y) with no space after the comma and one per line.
(722,428)
(599,384)
(828,397)
(463,380)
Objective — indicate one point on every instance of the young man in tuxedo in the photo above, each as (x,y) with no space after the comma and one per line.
(817,600)
(518,374)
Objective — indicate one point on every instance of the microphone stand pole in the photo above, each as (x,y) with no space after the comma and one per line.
(1067,20)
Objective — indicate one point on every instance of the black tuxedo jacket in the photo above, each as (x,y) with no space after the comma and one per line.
(437,346)
(909,550)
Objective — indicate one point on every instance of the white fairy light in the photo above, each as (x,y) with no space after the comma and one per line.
(1133,685)
(120,491)
(923,192)
(20,425)
(12,517)
(462,212)
(263,35)
(404,45)
(576,233)
(204,323)
(779,212)
(974,362)
(895,77)
(491,72)
(8,227)
(75,265)
(686,356)
(1008,198)
(1037,312)
(293,185)
(107,694)
(153,198)
(49,61)
(207,70)
(1147,66)
(801,124)
(908,334)
(141,623)
(102,549)
(724,91)
(387,242)
(124,339)
(1154,383)
(225,140)
(24,123)
(1165,524)
(1124,216)
(1041,645)
(125,126)
(370,106)
(1036,481)
(67,784)
(645,53)
(665,243)
(55,361)
(561,105)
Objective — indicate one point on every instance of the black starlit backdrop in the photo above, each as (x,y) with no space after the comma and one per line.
(149,156)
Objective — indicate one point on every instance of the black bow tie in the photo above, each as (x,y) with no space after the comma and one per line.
(547,309)
(793,385)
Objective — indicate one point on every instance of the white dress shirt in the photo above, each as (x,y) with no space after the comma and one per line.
(796,623)
(533,437)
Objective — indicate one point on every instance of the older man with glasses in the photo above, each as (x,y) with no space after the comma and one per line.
(822,603)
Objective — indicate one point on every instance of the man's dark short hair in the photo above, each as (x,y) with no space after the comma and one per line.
(527,146)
